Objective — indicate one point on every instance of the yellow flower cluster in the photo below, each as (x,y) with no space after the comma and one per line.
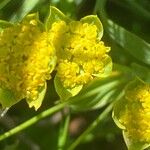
(136,114)
(31,50)
(26,59)
(81,55)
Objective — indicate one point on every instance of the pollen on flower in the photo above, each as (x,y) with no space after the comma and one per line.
(26,59)
(136,115)
(81,56)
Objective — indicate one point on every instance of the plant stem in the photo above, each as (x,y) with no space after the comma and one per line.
(32,121)
(63,133)
(91,127)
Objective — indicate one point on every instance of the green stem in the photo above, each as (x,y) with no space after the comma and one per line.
(63,133)
(32,121)
(91,127)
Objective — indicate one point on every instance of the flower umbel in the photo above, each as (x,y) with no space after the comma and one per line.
(81,54)
(135,114)
(26,59)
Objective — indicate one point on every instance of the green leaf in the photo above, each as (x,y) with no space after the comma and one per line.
(94,20)
(67,7)
(55,15)
(38,102)
(63,93)
(142,72)
(25,8)
(97,94)
(133,44)
(140,11)
(3,3)
(7,98)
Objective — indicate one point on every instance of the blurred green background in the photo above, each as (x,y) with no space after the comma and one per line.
(134,16)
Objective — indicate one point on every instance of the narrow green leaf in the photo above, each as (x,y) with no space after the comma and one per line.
(97,94)
(3,3)
(25,8)
(142,72)
(54,15)
(140,11)
(7,98)
(133,44)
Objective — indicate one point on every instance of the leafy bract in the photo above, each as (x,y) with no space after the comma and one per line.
(7,98)
(134,145)
(93,19)
(54,16)
(38,102)
(63,93)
